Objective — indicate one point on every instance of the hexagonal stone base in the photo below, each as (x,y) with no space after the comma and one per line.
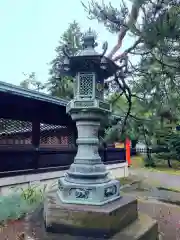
(87,220)
(89,194)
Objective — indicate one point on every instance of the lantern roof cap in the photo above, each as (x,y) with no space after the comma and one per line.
(88,59)
(89,44)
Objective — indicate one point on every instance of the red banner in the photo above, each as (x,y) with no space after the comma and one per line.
(128,151)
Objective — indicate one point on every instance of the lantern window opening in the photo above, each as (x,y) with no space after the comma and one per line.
(86,85)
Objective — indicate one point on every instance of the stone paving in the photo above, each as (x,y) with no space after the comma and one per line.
(167,215)
(158,178)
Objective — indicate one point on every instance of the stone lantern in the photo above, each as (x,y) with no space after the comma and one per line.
(87,180)
(86,201)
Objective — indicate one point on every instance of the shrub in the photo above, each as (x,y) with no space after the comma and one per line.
(15,206)
(149,162)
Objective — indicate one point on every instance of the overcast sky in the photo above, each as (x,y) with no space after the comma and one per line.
(30,30)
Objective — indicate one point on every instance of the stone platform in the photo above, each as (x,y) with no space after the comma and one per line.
(116,220)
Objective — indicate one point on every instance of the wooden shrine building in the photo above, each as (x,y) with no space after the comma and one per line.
(36,134)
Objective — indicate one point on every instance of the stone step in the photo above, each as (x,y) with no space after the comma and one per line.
(144,228)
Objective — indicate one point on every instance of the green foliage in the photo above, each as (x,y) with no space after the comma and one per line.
(163,136)
(33,194)
(31,82)
(168,143)
(112,134)
(174,145)
(154,80)
(149,162)
(16,205)
(58,85)
(134,125)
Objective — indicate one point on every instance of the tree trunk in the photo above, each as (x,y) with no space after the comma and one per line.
(169,163)
(147,147)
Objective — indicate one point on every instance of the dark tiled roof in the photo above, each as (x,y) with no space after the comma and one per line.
(19,91)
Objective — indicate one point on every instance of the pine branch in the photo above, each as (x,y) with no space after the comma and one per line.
(129,50)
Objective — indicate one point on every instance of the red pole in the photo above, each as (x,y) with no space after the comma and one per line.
(128,151)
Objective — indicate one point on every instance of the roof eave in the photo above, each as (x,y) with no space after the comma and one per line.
(19,91)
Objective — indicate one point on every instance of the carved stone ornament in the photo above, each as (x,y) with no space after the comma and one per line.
(80,192)
(110,191)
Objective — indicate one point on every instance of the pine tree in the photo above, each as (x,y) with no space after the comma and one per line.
(59,85)
(155,79)
(153,83)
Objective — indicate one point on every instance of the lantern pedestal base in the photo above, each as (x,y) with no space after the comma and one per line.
(116,220)
(91,194)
